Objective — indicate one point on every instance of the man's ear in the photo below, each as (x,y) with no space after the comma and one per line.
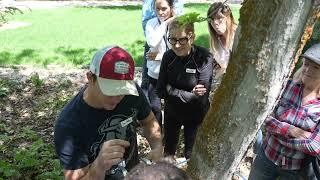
(193,37)
(90,77)
(172,11)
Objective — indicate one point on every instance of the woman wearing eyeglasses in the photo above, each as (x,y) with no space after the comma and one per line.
(184,84)
(222,27)
(156,30)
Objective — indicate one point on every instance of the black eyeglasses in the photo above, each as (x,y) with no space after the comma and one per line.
(182,41)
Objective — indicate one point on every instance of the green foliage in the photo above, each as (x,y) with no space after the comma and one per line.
(64,83)
(315,38)
(26,159)
(190,18)
(8,170)
(36,81)
(60,102)
(135,50)
(76,56)
(55,173)
(5,141)
(27,134)
(5,10)
(35,161)
(7,85)
(31,162)
(3,91)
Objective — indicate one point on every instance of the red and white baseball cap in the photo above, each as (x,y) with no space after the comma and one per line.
(114,68)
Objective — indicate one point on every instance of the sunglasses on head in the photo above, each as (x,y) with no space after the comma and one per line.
(221,8)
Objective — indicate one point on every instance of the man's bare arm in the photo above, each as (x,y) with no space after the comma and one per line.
(152,131)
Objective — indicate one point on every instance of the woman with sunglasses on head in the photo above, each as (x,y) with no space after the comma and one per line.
(184,84)
(222,27)
(156,30)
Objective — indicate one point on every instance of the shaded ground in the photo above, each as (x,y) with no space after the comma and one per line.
(29,105)
(32,97)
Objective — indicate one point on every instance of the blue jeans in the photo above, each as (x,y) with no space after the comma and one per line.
(258,143)
(155,101)
(264,169)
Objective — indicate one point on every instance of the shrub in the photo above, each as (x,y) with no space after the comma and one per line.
(5,10)
(34,161)
(36,81)
(315,38)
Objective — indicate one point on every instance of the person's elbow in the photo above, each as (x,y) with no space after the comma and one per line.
(150,125)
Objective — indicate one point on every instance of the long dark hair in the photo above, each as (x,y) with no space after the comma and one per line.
(170,2)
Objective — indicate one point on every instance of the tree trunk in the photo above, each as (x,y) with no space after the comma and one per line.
(270,34)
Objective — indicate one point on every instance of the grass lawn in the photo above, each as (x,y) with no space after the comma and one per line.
(70,36)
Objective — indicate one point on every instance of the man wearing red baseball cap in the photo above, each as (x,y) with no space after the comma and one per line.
(95,134)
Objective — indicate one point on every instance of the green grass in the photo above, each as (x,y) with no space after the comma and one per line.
(70,36)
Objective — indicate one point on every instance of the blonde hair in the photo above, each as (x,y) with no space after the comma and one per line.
(219,8)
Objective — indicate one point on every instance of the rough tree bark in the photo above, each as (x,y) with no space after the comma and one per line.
(270,34)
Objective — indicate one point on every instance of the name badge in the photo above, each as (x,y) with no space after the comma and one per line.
(190,71)
(126,122)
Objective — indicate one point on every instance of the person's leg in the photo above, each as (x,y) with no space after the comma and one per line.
(305,173)
(155,101)
(316,167)
(290,175)
(308,172)
(258,143)
(171,132)
(262,168)
(144,78)
(190,132)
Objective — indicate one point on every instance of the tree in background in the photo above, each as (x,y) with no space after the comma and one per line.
(5,10)
(315,38)
(271,35)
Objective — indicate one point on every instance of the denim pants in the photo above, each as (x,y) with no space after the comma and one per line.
(155,101)
(264,169)
(258,142)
